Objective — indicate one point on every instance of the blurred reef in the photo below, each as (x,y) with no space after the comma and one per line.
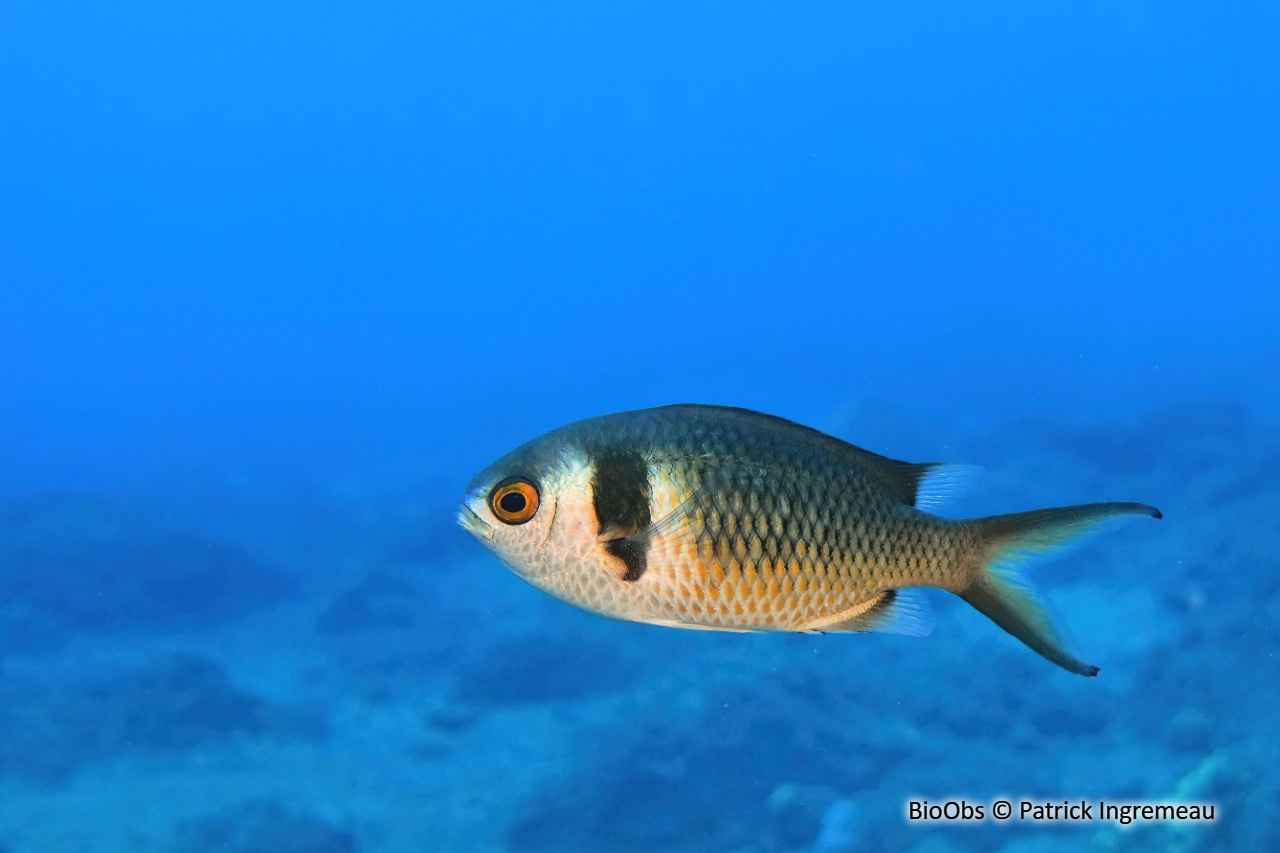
(425,698)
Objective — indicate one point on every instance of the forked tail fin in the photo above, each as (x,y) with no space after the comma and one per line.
(1008,542)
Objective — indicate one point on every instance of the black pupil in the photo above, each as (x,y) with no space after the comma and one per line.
(512,502)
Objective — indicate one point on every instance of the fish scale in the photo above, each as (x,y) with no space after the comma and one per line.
(754,521)
(719,518)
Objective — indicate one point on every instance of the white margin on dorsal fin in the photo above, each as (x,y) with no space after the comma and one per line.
(944,482)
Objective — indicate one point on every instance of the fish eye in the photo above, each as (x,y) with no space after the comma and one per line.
(514,500)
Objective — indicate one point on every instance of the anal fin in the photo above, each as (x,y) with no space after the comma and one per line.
(904,612)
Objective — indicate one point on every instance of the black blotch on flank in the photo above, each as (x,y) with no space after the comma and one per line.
(620,494)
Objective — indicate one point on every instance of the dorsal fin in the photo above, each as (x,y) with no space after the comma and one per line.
(919,484)
(901,479)
(924,485)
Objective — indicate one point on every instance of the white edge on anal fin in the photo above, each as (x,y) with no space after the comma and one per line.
(909,615)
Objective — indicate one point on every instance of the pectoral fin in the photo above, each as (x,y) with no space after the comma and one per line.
(633,551)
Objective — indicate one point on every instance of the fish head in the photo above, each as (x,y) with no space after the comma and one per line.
(533,509)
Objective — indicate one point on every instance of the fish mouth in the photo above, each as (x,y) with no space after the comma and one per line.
(474,524)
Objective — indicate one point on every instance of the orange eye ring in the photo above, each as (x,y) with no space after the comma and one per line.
(514,500)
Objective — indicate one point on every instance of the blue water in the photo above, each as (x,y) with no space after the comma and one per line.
(277,279)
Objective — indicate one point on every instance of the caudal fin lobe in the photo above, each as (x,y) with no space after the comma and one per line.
(1007,543)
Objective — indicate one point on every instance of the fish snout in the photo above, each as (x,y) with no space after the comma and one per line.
(473,523)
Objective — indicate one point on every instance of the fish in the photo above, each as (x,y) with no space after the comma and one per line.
(721,518)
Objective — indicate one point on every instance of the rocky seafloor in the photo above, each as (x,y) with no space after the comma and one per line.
(359,676)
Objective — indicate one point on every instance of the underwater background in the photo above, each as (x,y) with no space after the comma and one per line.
(276,279)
